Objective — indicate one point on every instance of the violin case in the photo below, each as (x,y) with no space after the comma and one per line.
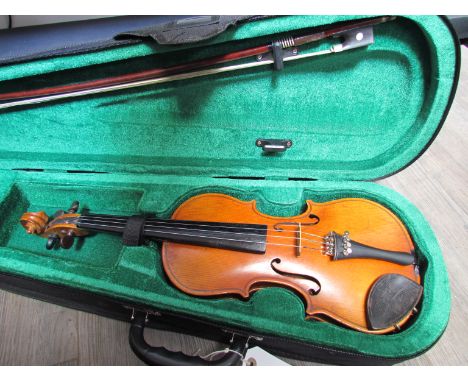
(352,117)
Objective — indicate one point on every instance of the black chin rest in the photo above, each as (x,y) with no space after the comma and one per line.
(391,298)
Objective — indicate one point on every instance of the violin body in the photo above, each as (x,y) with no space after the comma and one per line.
(351,260)
(343,285)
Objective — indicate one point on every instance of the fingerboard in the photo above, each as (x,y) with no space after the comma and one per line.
(234,236)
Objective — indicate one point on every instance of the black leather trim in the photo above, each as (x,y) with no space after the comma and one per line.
(61,39)
(460,24)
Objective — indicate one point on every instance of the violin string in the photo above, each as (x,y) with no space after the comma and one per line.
(215,231)
(195,229)
(240,228)
(243,241)
(111,219)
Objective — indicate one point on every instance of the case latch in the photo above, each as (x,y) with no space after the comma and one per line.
(274,145)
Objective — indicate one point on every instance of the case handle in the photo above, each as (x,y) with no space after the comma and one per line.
(159,356)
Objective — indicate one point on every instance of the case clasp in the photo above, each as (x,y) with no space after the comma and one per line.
(274,145)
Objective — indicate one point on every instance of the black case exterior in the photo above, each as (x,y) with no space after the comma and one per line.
(128,310)
(99,34)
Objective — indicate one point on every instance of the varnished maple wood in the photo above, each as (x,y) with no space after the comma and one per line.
(344,284)
(34,222)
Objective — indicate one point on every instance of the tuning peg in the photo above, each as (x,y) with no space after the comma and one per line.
(67,241)
(74,207)
(58,213)
(52,241)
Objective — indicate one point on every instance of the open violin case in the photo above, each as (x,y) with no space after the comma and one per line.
(352,117)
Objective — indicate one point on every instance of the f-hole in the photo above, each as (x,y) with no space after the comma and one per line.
(315,219)
(279,226)
(274,265)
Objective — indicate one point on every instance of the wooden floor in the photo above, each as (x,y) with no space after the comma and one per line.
(37,333)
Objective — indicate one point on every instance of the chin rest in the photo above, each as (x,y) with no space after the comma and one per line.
(391,298)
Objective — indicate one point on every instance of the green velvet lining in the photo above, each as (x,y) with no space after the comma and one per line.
(103,265)
(355,115)
(360,114)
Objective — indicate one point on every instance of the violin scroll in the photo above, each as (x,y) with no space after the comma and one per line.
(34,222)
(60,230)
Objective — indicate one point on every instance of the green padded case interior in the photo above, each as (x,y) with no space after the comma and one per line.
(353,116)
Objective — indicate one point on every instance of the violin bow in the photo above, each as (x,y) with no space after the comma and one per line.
(353,35)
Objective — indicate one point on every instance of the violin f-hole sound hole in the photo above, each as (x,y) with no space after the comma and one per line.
(315,219)
(280,226)
(313,291)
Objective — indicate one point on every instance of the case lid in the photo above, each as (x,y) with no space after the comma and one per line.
(358,114)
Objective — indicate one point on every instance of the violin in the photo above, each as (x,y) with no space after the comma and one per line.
(350,260)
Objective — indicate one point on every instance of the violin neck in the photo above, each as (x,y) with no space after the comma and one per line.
(233,236)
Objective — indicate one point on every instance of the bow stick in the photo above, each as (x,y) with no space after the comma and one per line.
(354,35)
